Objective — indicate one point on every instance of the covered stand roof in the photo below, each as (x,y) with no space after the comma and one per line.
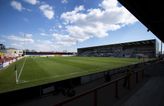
(134,43)
(148,12)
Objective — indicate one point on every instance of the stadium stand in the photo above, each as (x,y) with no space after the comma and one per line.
(146,48)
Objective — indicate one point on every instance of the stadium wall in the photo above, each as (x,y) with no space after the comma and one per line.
(146,48)
(44,54)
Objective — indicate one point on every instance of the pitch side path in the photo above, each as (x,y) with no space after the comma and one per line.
(40,70)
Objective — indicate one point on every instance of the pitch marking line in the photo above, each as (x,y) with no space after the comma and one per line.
(73,73)
(21,69)
(56,76)
(39,79)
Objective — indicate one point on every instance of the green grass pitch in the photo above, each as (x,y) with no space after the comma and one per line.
(41,70)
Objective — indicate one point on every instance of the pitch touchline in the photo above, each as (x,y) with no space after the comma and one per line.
(21,69)
(54,76)
(40,79)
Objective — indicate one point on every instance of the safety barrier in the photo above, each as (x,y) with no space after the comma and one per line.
(95,90)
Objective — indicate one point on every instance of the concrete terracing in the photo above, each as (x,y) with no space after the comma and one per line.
(152,92)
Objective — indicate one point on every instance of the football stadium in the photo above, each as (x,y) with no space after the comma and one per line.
(81,53)
(41,73)
(38,68)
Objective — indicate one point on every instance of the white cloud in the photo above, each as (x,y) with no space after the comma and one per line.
(108,4)
(63,40)
(28,35)
(44,45)
(96,22)
(60,26)
(17,45)
(64,1)
(16,5)
(73,16)
(47,11)
(115,15)
(27,38)
(33,2)
(43,34)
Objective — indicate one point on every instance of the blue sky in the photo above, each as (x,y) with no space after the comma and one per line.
(57,25)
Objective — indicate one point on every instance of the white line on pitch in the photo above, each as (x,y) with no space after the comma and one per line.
(21,69)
